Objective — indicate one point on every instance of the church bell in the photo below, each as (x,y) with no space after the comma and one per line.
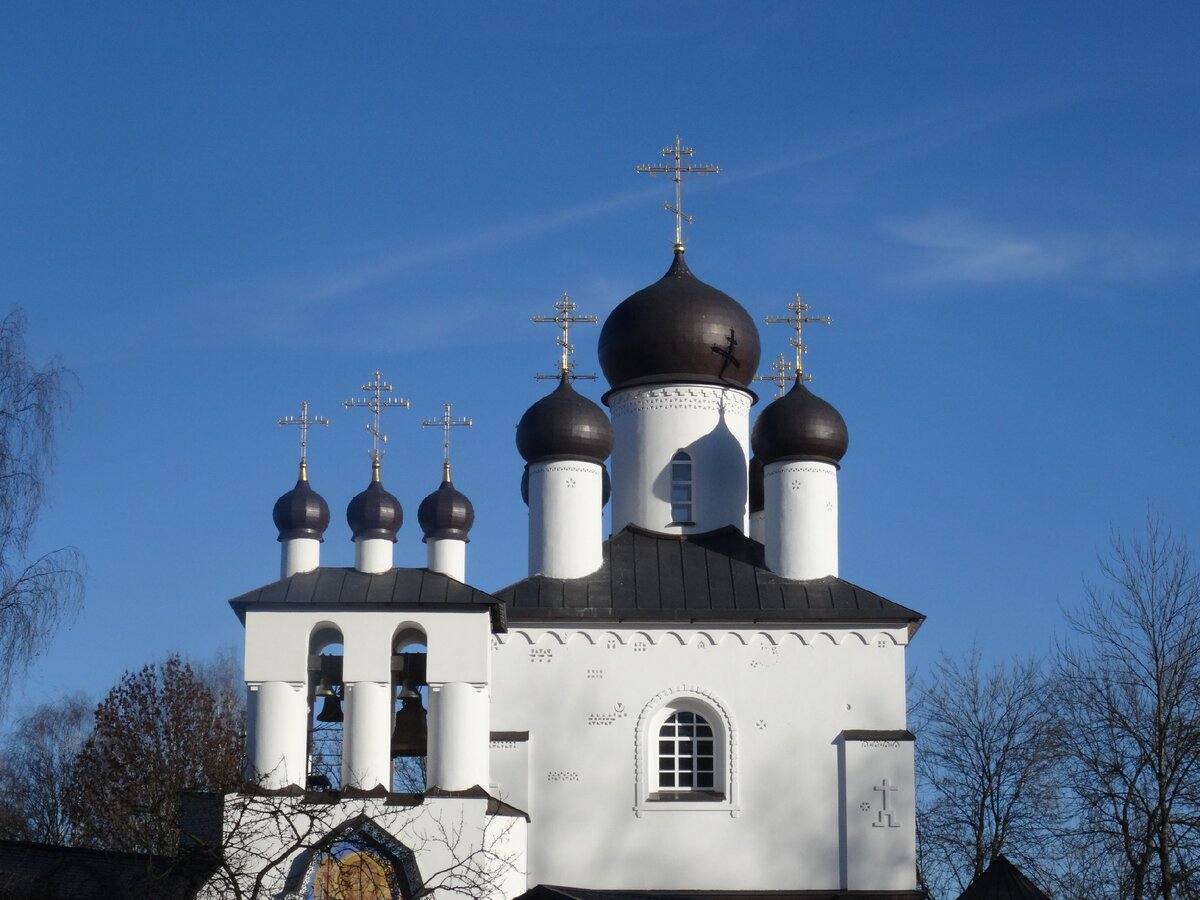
(331,708)
(411,735)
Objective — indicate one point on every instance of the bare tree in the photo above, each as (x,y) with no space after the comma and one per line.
(159,732)
(37,763)
(984,769)
(36,593)
(1129,691)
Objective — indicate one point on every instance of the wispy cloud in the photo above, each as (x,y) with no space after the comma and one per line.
(948,249)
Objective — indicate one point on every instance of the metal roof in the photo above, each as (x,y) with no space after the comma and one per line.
(398,588)
(716,576)
(1001,880)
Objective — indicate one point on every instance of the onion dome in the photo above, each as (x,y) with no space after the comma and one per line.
(564,425)
(301,512)
(375,513)
(679,330)
(799,425)
(756,485)
(446,513)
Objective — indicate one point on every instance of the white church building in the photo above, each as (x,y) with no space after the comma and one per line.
(695,703)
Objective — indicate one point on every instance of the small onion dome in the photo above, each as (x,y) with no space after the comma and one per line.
(605,485)
(756,485)
(375,513)
(799,425)
(564,425)
(301,513)
(676,330)
(446,513)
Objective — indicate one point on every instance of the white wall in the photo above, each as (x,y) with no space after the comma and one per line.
(650,424)
(801,518)
(787,694)
(565,518)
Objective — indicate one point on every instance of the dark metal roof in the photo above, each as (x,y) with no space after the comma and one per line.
(564,425)
(716,576)
(556,892)
(398,588)
(446,513)
(678,329)
(1001,880)
(799,425)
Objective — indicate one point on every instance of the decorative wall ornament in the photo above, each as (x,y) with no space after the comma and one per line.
(595,673)
(607,718)
(562,776)
(541,654)
(785,469)
(761,724)
(887,815)
(564,467)
(730,401)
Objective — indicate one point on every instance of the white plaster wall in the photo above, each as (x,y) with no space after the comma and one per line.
(277,736)
(800,506)
(758,526)
(447,556)
(565,518)
(373,555)
(879,810)
(495,843)
(298,555)
(651,424)
(787,693)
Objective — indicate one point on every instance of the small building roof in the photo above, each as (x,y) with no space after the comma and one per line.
(399,588)
(715,576)
(1001,880)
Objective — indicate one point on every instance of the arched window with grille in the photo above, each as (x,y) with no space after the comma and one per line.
(685,753)
(685,747)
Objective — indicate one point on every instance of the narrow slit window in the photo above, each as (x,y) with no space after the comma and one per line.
(681,488)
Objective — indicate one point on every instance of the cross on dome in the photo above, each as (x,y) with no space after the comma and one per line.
(783,370)
(798,320)
(564,318)
(376,402)
(677,171)
(303,421)
(446,422)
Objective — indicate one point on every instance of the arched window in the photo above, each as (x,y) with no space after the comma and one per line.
(685,753)
(326,691)
(681,489)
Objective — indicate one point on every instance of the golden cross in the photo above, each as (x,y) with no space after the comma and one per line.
(304,420)
(783,374)
(564,318)
(798,320)
(376,403)
(446,422)
(677,171)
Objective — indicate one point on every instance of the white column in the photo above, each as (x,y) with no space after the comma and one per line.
(373,555)
(367,735)
(651,424)
(277,713)
(801,518)
(299,555)
(448,556)
(565,518)
(458,736)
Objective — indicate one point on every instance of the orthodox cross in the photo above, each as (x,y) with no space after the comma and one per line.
(798,320)
(726,353)
(446,422)
(677,171)
(783,374)
(377,403)
(303,421)
(887,812)
(564,319)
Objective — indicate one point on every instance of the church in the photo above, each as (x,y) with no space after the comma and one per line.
(697,702)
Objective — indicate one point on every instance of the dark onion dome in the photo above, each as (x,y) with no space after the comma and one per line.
(756,485)
(799,425)
(672,331)
(564,425)
(375,513)
(301,512)
(446,513)
(605,485)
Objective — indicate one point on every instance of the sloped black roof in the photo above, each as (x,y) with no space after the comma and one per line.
(402,588)
(716,576)
(1001,880)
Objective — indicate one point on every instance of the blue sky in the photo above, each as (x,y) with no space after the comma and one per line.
(213,212)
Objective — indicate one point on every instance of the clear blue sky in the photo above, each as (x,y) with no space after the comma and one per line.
(214,211)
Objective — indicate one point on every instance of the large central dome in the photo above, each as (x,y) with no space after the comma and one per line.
(679,329)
